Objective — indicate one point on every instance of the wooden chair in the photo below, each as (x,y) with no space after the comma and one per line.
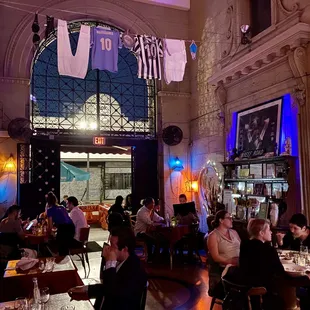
(214,301)
(139,242)
(143,297)
(237,295)
(256,291)
(81,251)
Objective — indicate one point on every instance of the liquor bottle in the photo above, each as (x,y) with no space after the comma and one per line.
(167,219)
(36,291)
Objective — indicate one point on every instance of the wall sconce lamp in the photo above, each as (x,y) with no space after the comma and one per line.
(176,165)
(246,33)
(194,186)
(9,166)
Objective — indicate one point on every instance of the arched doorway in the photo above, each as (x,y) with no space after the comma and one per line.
(66,110)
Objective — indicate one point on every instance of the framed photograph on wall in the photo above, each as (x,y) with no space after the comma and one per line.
(258,128)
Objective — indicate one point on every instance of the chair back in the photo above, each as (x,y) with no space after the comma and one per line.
(215,273)
(256,291)
(84,234)
(143,297)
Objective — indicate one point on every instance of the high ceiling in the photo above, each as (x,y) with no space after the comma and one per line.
(176,4)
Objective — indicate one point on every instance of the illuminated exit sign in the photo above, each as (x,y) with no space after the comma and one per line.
(98,140)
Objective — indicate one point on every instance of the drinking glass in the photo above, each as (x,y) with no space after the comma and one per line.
(44,296)
(24,253)
(50,263)
(304,249)
(41,265)
(21,303)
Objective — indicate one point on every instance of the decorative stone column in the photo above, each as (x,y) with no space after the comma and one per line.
(299,63)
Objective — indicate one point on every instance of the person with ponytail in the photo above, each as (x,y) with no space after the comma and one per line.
(223,241)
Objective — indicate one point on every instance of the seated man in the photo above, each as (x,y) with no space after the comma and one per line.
(182,198)
(13,223)
(78,219)
(64,201)
(146,218)
(11,233)
(298,235)
(123,280)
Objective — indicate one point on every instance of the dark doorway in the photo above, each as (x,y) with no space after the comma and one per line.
(44,172)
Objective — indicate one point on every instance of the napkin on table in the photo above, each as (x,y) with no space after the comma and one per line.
(26,263)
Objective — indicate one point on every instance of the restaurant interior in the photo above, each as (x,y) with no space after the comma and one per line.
(154,155)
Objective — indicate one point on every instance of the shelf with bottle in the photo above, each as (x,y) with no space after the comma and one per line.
(257,180)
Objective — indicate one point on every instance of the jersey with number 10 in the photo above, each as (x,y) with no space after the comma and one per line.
(105,44)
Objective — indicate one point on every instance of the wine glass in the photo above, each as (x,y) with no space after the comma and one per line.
(44,296)
(21,303)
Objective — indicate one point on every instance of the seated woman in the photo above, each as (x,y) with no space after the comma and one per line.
(298,235)
(117,207)
(259,263)
(58,216)
(224,246)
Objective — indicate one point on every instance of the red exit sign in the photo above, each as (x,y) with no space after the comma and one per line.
(98,140)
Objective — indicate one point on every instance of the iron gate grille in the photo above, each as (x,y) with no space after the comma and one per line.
(113,104)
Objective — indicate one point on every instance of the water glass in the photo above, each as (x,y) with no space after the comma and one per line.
(304,249)
(21,303)
(44,296)
(41,265)
(50,264)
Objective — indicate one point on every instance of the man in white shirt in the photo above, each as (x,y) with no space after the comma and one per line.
(146,218)
(77,217)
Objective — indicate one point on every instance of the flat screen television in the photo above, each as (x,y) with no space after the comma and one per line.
(184,208)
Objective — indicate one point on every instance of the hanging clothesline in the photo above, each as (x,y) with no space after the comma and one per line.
(7,4)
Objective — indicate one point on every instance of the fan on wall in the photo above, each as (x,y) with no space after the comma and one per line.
(20,129)
(172,135)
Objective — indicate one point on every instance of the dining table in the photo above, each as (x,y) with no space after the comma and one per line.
(60,279)
(288,292)
(55,302)
(36,240)
(172,234)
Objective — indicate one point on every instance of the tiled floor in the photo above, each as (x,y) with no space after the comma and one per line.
(185,287)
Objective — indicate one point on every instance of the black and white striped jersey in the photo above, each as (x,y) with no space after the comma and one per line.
(149,50)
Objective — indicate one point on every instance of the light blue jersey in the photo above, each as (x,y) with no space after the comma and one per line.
(105,44)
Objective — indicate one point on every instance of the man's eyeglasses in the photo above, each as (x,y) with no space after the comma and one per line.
(228,217)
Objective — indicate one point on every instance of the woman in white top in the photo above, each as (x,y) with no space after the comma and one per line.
(223,241)
(224,247)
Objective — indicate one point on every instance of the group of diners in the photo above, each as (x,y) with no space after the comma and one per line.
(146,221)
(55,216)
(256,261)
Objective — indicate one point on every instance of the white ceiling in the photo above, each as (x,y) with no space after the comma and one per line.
(176,4)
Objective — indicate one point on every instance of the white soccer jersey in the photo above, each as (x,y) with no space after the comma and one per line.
(149,50)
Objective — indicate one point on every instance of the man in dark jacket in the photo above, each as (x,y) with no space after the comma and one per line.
(123,280)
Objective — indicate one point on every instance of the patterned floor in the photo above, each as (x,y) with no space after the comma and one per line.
(184,287)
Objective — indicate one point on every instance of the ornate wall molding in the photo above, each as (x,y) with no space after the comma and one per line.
(173,94)
(298,63)
(285,10)
(278,7)
(229,32)
(261,57)
(13,80)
